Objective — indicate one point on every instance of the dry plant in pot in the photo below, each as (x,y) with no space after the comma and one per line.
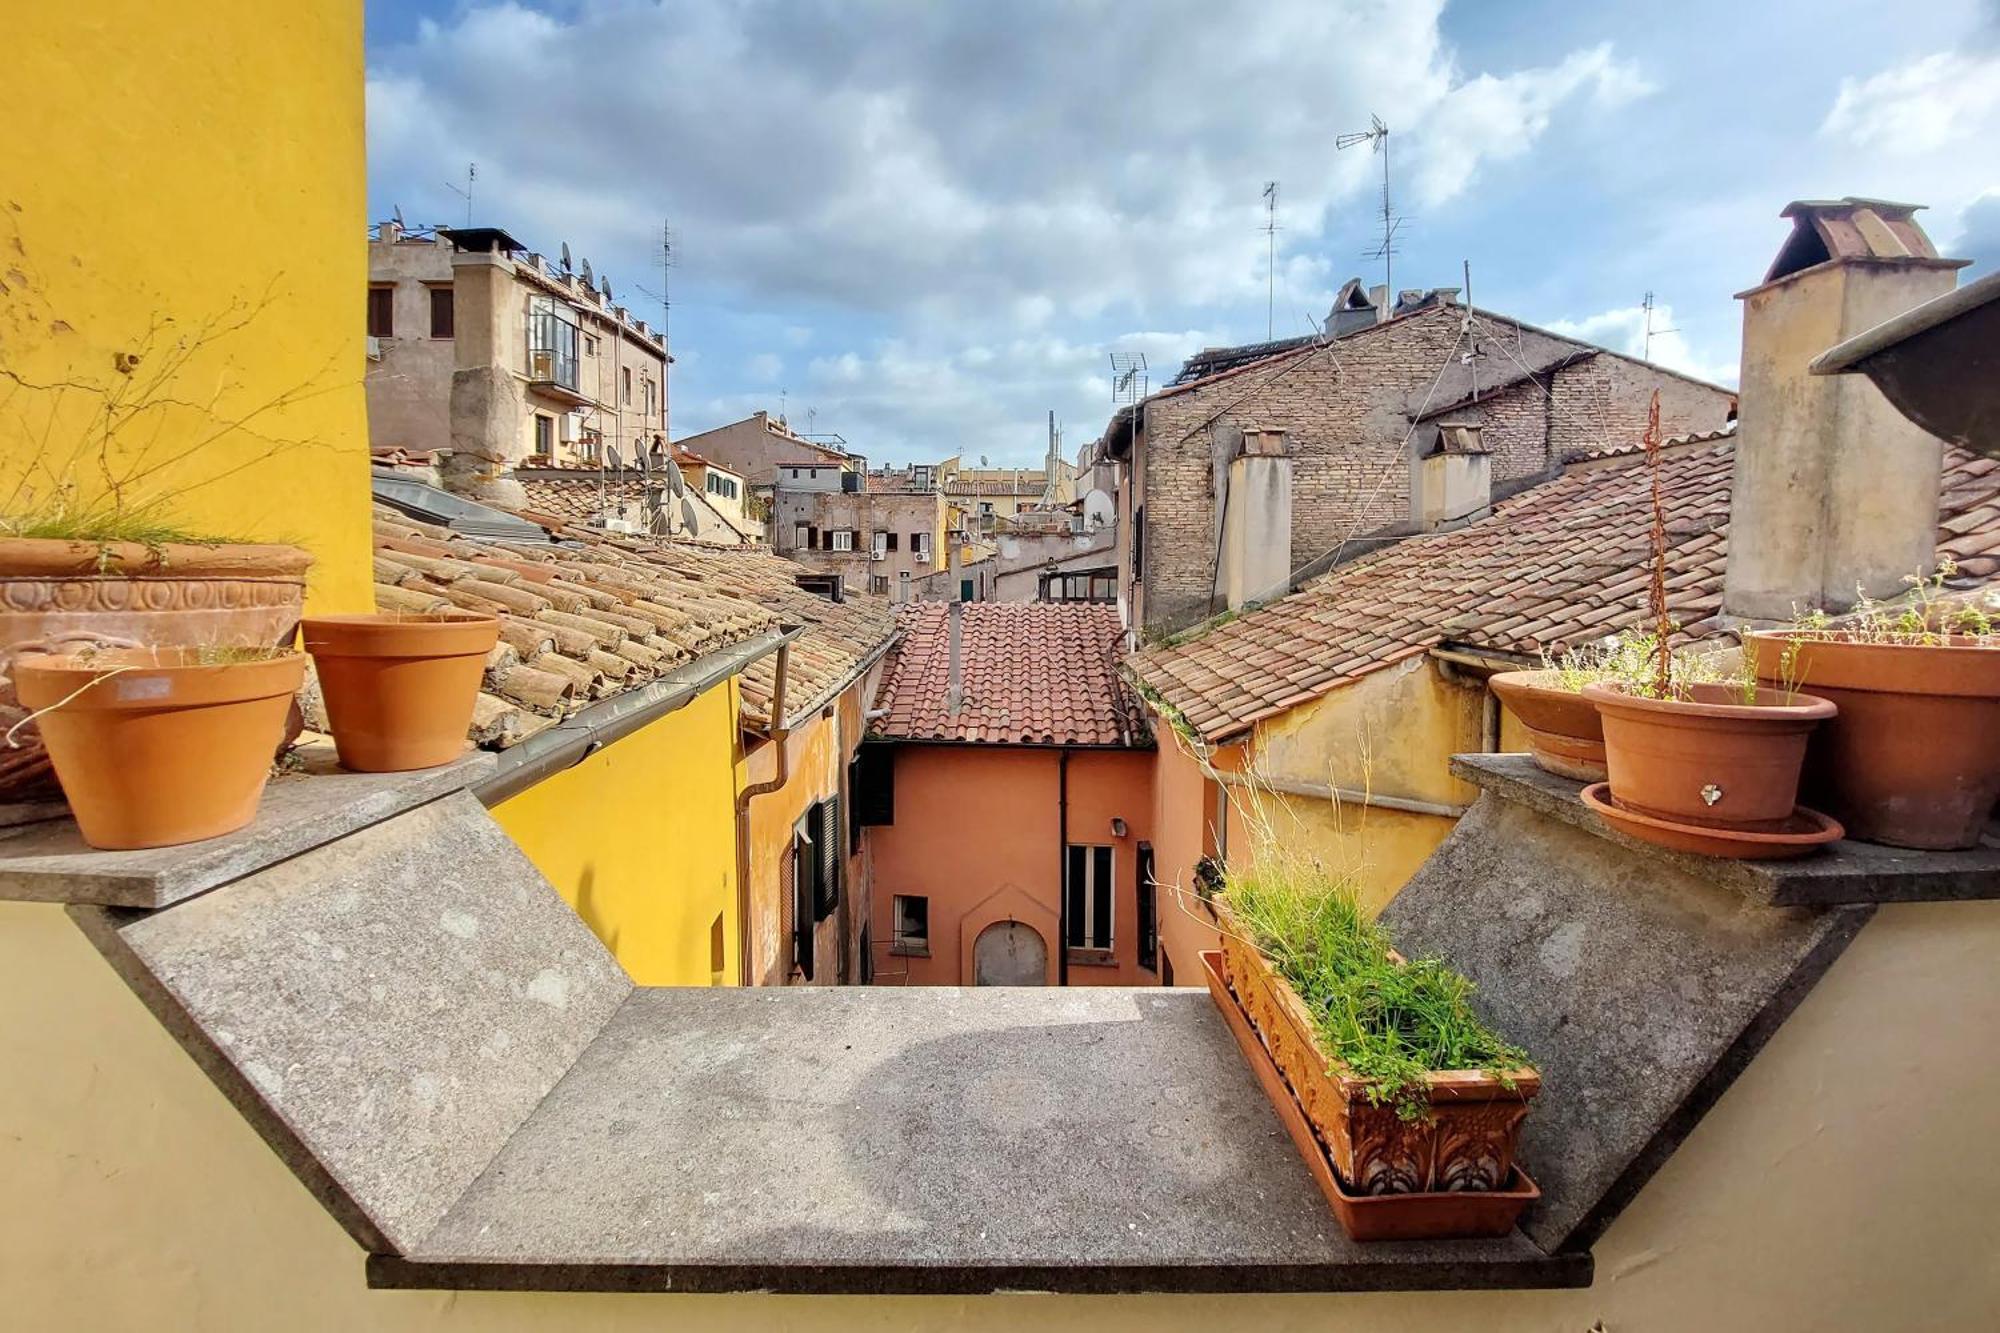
(91,542)
(1913,758)
(159,746)
(400,688)
(1686,756)
(1565,736)
(1408,1092)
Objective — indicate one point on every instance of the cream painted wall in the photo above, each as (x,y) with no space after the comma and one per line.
(1843,1184)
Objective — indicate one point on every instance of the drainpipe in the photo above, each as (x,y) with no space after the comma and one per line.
(780,737)
(1062,867)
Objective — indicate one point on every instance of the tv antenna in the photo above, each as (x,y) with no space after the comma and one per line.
(471,175)
(665,295)
(1647,305)
(1270,259)
(1377,137)
(1128,378)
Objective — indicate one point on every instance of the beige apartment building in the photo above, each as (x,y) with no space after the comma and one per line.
(498,358)
(755,447)
(880,532)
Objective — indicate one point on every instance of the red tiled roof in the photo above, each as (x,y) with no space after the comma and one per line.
(600,614)
(1561,563)
(1031,673)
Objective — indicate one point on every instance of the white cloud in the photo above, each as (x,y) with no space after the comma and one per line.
(1928,104)
(1624,330)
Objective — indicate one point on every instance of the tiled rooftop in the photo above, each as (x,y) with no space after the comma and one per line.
(601,614)
(582,499)
(1560,563)
(1031,673)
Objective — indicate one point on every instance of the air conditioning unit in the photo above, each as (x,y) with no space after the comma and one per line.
(878,555)
(624,525)
(374,348)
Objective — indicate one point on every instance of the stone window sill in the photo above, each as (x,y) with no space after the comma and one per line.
(1093,957)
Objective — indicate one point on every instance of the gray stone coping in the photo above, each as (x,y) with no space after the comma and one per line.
(1843,872)
(887,1140)
(47,861)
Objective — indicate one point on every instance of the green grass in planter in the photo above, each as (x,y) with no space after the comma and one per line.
(1390,1023)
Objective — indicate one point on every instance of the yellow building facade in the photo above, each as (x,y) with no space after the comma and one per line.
(178,242)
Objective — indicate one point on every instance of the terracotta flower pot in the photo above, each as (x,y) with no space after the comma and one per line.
(1564,734)
(1435,1215)
(400,688)
(1707,760)
(230,595)
(1466,1143)
(1913,759)
(155,747)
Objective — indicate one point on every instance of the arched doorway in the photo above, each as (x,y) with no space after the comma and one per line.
(1010,953)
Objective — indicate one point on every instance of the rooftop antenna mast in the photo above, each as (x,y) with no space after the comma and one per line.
(1270,259)
(1377,137)
(471,175)
(1647,306)
(1128,378)
(665,297)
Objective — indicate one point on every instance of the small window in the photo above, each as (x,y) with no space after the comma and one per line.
(920,546)
(965,590)
(627,400)
(647,384)
(799,531)
(843,539)
(879,584)
(381,312)
(890,544)
(913,925)
(590,344)
(880,545)
(545,436)
(441,312)
(1149,910)
(1087,890)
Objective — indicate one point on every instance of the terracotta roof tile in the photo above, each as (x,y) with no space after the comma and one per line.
(1031,673)
(1560,563)
(598,614)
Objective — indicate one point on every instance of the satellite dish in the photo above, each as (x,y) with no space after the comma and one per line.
(565,256)
(588,281)
(612,451)
(399,217)
(604,285)
(639,459)
(688,520)
(675,482)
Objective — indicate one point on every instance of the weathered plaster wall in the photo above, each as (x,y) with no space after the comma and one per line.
(1184,831)
(409,388)
(1838,1186)
(640,839)
(976,832)
(126,228)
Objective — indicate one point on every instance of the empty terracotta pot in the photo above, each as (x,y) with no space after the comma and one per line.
(400,688)
(1710,759)
(155,747)
(1913,759)
(1564,734)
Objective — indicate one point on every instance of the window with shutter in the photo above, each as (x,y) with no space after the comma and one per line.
(873,782)
(1149,910)
(826,890)
(1087,884)
(803,865)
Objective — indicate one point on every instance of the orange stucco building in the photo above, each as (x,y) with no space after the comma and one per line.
(1006,800)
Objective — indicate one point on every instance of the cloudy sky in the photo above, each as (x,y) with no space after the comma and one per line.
(925,225)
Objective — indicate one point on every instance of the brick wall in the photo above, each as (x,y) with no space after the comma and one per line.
(1346,412)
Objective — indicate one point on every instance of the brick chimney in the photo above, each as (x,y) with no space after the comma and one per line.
(1834,489)
(1257,520)
(1455,480)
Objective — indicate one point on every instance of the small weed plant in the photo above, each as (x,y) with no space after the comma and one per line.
(1389,1022)
(1925,616)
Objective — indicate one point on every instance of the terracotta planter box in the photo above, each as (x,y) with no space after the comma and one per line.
(1428,1216)
(175,595)
(1913,757)
(1565,736)
(1467,1142)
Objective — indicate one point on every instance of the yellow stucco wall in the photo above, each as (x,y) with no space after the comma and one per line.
(640,838)
(1392,733)
(152,195)
(1840,1185)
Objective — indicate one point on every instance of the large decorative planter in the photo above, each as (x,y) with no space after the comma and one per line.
(1709,760)
(1565,736)
(159,746)
(1433,1215)
(400,689)
(1913,758)
(52,592)
(1466,1142)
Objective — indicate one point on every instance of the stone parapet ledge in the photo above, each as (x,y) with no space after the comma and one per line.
(1845,872)
(44,859)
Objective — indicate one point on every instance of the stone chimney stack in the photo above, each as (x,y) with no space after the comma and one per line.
(1454,482)
(1834,489)
(486,397)
(954,668)
(1257,520)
